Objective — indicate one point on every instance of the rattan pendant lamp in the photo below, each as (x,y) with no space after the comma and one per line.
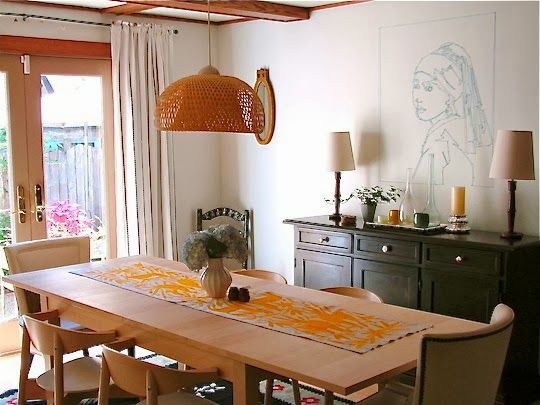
(209,102)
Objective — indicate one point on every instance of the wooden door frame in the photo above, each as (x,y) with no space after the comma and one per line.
(54,47)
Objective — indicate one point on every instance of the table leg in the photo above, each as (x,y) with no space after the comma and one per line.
(246,384)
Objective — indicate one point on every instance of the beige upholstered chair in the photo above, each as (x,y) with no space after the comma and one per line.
(43,254)
(264,275)
(456,368)
(78,378)
(354,292)
(160,385)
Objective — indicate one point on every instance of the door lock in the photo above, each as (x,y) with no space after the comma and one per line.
(38,203)
(21,205)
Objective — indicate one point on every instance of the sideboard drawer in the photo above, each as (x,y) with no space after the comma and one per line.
(388,250)
(473,260)
(324,240)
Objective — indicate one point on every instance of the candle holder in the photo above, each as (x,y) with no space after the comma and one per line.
(458,224)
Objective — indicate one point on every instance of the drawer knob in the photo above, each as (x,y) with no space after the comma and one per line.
(386,248)
(459,259)
(324,240)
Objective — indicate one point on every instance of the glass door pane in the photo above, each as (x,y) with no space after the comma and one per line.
(72,131)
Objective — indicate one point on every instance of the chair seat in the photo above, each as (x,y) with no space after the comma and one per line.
(80,375)
(391,394)
(72,325)
(181,398)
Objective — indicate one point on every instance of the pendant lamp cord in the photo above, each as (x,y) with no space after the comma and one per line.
(209,38)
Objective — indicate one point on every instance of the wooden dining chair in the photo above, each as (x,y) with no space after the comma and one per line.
(277,278)
(242,217)
(354,292)
(159,385)
(263,274)
(456,368)
(77,378)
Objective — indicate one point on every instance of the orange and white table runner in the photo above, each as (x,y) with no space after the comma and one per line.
(331,325)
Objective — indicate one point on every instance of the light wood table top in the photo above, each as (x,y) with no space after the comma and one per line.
(243,352)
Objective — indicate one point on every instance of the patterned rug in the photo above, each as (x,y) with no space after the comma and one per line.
(218,391)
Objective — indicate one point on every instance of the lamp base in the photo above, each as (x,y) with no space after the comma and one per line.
(512,235)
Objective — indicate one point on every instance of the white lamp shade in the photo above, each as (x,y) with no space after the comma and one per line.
(339,152)
(513,157)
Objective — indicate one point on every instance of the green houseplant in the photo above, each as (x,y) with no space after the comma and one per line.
(369,197)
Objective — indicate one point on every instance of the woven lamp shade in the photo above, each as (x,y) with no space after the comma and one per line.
(209,102)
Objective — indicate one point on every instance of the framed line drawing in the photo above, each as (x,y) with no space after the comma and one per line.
(436,96)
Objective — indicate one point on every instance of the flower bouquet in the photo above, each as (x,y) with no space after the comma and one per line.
(205,250)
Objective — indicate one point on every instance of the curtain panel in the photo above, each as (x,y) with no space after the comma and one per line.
(144,183)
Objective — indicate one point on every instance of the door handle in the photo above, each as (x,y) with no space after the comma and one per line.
(21,205)
(38,203)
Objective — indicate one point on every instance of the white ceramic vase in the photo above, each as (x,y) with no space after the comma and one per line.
(215,278)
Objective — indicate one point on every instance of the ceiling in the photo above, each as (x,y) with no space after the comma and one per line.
(222,11)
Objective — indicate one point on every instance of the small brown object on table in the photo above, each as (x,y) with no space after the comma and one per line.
(233,294)
(243,295)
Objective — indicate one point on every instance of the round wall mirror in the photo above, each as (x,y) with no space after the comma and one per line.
(264,90)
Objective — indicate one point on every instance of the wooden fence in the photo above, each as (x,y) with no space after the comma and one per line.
(73,172)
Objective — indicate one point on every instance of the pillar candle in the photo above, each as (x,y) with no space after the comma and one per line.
(458,200)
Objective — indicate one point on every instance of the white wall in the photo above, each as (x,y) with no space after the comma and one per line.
(325,77)
(196,157)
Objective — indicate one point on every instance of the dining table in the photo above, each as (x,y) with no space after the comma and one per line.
(245,353)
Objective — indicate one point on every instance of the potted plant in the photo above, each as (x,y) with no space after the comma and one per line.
(370,196)
(205,250)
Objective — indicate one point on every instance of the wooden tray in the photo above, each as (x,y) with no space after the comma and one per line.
(431,230)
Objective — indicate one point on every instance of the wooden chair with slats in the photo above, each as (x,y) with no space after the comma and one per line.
(242,217)
(77,379)
(159,385)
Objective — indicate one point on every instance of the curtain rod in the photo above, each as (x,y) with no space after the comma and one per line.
(44,17)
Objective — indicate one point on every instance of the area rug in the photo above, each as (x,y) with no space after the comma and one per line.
(218,391)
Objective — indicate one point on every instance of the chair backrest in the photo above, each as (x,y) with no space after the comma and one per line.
(244,218)
(355,292)
(49,338)
(43,254)
(464,368)
(263,274)
(144,379)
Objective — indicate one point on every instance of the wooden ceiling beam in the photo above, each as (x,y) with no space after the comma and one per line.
(247,9)
(127,9)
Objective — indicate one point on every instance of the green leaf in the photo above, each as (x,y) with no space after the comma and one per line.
(215,248)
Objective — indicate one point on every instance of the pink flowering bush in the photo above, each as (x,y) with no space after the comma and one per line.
(68,219)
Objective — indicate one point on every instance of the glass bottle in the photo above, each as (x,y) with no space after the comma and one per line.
(431,207)
(406,208)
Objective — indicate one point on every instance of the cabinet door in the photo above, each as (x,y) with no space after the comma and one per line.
(459,294)
(395,284)
(320,270)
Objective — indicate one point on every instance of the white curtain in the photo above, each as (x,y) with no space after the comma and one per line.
(143,173)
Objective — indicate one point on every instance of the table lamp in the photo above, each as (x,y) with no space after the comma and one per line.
(340,159)
(513,159)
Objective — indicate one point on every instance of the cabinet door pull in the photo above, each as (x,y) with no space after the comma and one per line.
(459,259)
(326,239)
(386,248)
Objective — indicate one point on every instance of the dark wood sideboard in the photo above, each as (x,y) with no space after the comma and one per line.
(464,276)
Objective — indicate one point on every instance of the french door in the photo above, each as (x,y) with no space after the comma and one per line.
(56,154)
